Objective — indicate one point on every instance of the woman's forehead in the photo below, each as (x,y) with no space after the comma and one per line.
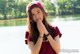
(35,9)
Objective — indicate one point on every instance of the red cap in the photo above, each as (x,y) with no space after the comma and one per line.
(34,4)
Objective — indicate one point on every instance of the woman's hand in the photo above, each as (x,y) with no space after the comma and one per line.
(40,27)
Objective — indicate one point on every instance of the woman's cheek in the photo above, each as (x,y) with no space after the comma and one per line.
(34,19)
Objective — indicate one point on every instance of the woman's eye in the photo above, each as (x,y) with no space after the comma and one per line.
(38,12)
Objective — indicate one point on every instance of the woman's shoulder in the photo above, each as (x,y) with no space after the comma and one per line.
(27,34)
(56,31)
(54,27)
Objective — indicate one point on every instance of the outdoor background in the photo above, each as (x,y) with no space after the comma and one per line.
(13,24)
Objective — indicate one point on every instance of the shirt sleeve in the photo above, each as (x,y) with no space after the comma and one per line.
(57,31)
(26,37)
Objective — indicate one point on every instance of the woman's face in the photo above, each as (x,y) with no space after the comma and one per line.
(37,14)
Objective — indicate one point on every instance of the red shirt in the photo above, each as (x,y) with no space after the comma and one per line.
(46,47)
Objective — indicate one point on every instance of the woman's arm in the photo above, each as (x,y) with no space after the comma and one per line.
(55,43)
(35,48)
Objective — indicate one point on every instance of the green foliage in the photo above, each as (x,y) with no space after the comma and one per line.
(49,7)
(69,6)
(12,9)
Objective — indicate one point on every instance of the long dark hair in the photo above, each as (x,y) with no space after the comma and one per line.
(32,26)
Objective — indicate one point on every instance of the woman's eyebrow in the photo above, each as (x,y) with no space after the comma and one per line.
(38,10)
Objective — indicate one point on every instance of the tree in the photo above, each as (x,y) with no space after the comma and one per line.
(3,7)
(6,7)
(49,7)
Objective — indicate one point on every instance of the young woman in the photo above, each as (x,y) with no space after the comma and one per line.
(41,37)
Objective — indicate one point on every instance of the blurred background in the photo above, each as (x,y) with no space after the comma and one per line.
(13,24)
(13,12)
